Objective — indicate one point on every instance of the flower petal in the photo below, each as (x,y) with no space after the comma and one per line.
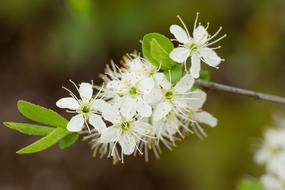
(179,33)
(196,99)
(99,105)
(69,103)
(115,85)
(200,34)
(153,97)
(76,123)
(86,91)
(128,107)
(184,84)
(179,54)
(162,110)
(270,181)
(210,57)
(141,128)
(112,114)
(161,80)
(206,118)
(146,85)
(111,134)
(195,66)
(128,144)
(97,122)
(143,108)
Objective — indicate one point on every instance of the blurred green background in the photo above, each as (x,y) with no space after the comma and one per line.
(45,43)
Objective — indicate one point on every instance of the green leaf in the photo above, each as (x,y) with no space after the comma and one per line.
(68,140)
(250,185)
(205,75)
(41,114)
(45,142)
(156,48)
(29,129)
(174,74)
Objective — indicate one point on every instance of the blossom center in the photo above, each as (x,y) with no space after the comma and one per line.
(85,109)
(193,47)
(125,126)
(133,91)
(169,95)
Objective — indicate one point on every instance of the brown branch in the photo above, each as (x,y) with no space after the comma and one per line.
(240,91)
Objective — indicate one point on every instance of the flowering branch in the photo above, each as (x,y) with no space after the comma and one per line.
(240,91)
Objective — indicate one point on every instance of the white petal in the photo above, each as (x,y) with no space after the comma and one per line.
(111,134)
(200,34)
(100,105)
(128,144)
(128,107)
(143,108)
(69,103)
(271,182)
(184,84)
(115,85)
(162,110)
(86,91)
(179,54)
(153,97)
(180,34)
(210,57)
(97,122)
(112,114)
(161,80)
(76,123)
(146,85)
(141,128)
(195,66)
(206,118)
(197,99)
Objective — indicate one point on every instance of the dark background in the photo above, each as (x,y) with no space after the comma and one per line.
(45,43)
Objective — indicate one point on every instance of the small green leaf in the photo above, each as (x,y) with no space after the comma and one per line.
(205,75)
(156,48)
(29,129)
(250,185)
(41,114)
(174,74)
(45,142)
(68,140)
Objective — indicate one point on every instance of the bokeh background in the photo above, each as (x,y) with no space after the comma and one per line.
(45,43)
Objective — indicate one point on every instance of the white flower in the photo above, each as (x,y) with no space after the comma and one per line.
(182,101)
(273,182)
(86,108)
(274,143)
(277,165)
(196,47)
(135,83)
(126,129)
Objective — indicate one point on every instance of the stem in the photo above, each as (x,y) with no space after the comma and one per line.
(240,91)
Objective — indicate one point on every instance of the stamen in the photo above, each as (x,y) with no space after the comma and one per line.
(184,26)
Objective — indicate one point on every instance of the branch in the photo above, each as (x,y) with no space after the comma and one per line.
(240,91)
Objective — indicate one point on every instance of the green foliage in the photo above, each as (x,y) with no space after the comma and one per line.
(205,75)
(45,142)
(174,74)
(41,114)
(29,129)
(156,48)
(250,185)
(51,135)
(68,140)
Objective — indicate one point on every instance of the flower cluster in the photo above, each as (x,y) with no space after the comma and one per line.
(139,107)
(272,156)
